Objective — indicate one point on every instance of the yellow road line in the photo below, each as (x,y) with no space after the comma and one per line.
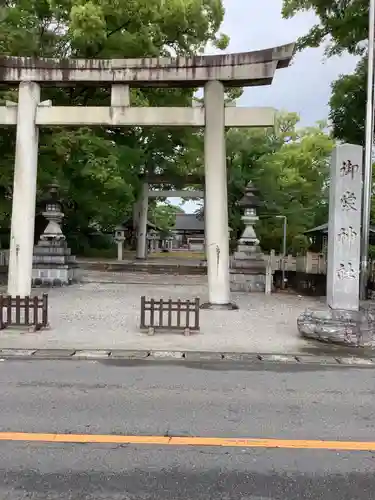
(190,441)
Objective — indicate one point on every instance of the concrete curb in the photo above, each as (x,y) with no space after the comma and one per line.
(188,356)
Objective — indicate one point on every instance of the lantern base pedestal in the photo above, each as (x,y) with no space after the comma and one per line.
(53,264)
(247,280)
(248,272)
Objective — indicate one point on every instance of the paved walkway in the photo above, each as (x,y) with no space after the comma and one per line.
(99,314)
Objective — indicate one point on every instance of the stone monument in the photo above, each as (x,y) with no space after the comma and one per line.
(248,269)
(343,320)
(53,264)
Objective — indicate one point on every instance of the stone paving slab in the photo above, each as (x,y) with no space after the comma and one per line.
(203,356)
(321,360)
(354,361)
(53,353)
(278,358)
(241,357)
(91,354)
(166,355)
(125,354)
(17,352)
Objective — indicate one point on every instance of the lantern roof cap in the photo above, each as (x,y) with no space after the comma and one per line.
(250,198)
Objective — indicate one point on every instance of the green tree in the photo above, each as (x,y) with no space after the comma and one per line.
(289,166)
(342,24)
(163,215)
(348,106)
(293,181)
(98,169)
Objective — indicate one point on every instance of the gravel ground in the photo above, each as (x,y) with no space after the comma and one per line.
(98,314)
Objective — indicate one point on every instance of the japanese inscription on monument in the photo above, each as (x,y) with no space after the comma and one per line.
(346,271)
(348,201)
(347,235)
(348,168)
(344,228)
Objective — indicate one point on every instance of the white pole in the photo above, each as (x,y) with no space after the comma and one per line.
(120,250)
(369,139)
(142,224)
(24,192)
(216,198)
(284,251)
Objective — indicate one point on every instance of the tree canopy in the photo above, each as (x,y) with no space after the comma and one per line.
(290,168)
(163,215)
(348,106)
(342,26)
(98,168)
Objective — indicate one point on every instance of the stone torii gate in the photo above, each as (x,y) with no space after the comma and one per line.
(214,73)
(141,211)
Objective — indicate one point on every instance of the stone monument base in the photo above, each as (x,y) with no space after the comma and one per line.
(338,326)
(247,280)
(53,265)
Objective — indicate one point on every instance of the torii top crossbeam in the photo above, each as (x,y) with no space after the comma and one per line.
(241,69)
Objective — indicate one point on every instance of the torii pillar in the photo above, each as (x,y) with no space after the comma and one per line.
(142,208)
(216,199)
(24,191)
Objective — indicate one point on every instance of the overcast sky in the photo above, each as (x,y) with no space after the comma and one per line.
(305,86)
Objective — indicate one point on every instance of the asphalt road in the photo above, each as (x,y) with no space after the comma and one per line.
(166,399)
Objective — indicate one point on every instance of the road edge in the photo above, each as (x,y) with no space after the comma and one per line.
(187,356)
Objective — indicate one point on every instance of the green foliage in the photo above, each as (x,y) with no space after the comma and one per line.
(98,169)
(291,175)
(348,106)
(371,252)
(293,182)
(289,166)
(163,215)
(343,24)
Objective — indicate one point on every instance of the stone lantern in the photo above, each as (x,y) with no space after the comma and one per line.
(248,270)
(54,215)
(249,243)
(119,239)
(153,238)
(53,264)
